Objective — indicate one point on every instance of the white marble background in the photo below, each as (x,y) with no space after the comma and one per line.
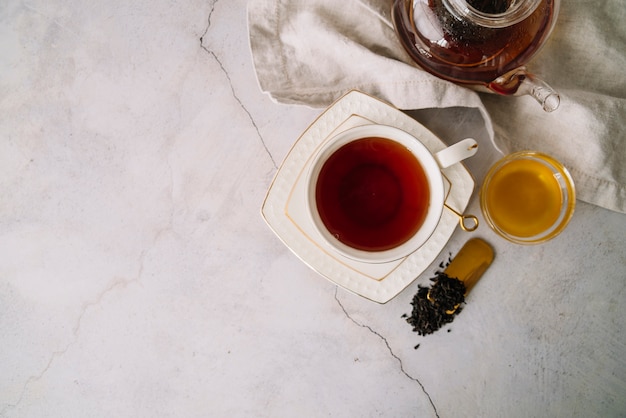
(137,278)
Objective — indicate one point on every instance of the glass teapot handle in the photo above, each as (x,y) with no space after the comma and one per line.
(520,82)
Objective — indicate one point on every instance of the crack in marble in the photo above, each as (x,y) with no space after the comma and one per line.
(117,283)
(398,359)
(230,83)
(35,378)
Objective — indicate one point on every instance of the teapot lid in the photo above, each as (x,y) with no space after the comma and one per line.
(492,13)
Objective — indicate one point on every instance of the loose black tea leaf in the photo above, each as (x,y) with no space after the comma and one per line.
(447,292)
(434,307)
(445,264)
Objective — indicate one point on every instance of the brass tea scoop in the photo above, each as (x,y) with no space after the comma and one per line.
(468,266)
(436,306)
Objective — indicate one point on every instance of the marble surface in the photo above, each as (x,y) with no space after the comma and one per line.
(138,279)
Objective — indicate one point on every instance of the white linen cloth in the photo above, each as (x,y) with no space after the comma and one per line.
(311,52)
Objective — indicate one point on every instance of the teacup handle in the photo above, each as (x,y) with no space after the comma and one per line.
(457,152)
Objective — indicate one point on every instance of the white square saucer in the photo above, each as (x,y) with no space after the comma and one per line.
(284,208)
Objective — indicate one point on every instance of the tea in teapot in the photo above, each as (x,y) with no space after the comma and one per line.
(480,43)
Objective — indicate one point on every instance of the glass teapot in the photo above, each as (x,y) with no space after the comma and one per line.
(483,44)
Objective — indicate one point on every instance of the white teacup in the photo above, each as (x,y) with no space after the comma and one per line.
(376,193)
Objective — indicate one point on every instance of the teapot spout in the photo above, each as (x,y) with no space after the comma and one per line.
(519,82)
